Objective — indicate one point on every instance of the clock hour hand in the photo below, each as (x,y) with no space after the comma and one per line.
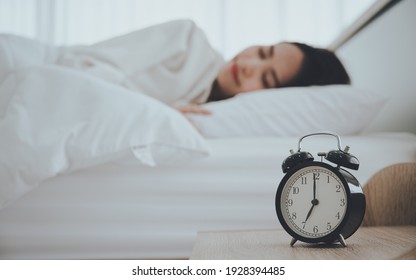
(310,212)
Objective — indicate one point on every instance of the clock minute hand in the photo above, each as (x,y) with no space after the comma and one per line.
(314,200)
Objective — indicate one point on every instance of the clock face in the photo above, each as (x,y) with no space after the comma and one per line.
(313,201)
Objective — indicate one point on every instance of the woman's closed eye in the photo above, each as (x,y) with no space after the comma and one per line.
(266,52)
(262,53)
(269,79)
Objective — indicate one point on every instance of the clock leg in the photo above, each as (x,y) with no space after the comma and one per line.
(342,240)
(293,241)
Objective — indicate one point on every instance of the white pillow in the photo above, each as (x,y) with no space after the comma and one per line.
(290,112)
(56,120)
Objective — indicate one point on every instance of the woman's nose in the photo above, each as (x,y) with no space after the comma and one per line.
(248,66)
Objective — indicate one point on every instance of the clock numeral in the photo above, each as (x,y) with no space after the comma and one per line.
(295,190)
(289,202)
(294,216)
(316,175)
(338,188)
(327,179)
(337,216)
(342,202)
(303,225)
(304,181)
(315,229)
(328,226)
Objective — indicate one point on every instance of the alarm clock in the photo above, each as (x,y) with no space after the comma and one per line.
(320,201)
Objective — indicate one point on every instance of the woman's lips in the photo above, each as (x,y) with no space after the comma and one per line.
(234,73)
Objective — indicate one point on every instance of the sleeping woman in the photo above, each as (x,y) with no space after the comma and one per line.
(174,63)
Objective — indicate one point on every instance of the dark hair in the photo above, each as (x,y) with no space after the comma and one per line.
(319,67)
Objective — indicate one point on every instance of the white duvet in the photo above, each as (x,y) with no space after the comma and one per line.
(56,120)
(66,108)
(172,62)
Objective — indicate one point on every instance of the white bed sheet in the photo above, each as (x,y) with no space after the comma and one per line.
(127,211)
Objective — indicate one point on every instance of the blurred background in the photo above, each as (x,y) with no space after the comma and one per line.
(230,25)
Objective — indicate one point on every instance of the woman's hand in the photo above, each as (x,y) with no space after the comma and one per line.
(192,109)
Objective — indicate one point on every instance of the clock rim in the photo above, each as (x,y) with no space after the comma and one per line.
(333,235)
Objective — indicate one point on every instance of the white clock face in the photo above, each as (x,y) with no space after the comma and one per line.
(313,202)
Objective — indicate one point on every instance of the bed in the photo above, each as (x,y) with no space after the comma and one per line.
(124,211)
(148,199)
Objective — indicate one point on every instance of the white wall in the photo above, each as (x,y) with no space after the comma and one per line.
(382,58)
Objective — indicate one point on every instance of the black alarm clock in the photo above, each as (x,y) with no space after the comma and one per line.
(319,201)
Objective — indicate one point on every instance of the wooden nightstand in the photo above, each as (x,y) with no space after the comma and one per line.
(395,242)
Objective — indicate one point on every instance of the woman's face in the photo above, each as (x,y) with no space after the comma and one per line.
(260,67)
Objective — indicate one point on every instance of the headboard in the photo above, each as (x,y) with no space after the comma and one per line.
(381,57)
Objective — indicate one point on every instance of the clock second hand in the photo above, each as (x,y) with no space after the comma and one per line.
(314,200)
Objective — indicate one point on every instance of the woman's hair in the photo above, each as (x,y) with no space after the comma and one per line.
(319,67)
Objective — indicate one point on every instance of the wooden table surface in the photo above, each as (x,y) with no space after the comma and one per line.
(395,242)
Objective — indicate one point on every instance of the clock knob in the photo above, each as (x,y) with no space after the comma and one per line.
(343,158)
(294,159)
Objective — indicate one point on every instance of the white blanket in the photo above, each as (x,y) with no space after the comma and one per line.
(172,62)
(63,109)
(56,120)
(17,52)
